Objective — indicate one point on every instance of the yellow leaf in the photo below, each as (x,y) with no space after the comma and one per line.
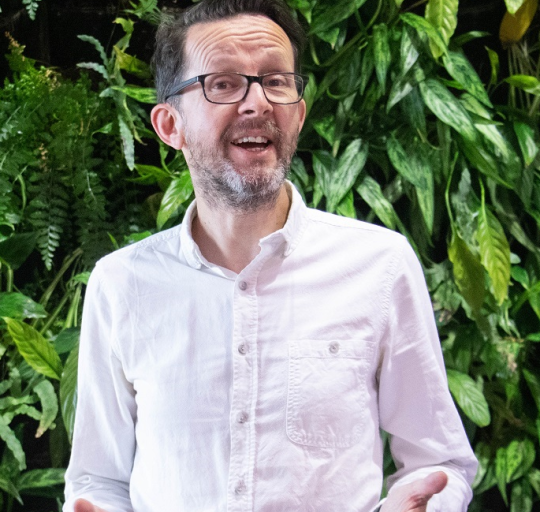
(513,27)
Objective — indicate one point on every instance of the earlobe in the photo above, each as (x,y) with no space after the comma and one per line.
(168,124)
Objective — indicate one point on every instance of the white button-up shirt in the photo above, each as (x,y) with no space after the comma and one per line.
(205,390)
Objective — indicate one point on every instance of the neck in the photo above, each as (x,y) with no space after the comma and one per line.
(230,238)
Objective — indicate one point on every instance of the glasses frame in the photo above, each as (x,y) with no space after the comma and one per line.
(250,78)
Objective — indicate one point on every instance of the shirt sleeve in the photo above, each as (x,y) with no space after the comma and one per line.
(415,405)
(104,434)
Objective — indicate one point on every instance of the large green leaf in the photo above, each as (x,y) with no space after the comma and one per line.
(8,486)
(36,350)
(16,249)
(423,26)
(370,191)
(513,5)
(468,272)
(461,70)
(521,499)
(324,165)
(402,160)
(67,340)
(408,52)
(381,53)
(495,64)
(520,455)
(326,128)
(487,163)
(469,397)
(128,144)
(400,89)
(328,14)
(442,14)
(526,83)
(494,252)
(413,109)
(500,472)
(533,381)
(132,64)
(346,206)
(37,478)
(426,201)
(487,126)
(483,455)
(447,108)
(177,193)
(68,391)
(142,94)
(49,405)
(19,306)
(527,141)
(534,479)
(349,167)
(14,445)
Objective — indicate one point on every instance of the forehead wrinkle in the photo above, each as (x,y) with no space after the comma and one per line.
(234,37)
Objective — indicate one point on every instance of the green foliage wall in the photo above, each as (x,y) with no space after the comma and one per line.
(401,131)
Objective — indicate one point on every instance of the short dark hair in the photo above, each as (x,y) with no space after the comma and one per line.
(168,61)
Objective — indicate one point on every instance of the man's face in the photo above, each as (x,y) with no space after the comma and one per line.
(239,153)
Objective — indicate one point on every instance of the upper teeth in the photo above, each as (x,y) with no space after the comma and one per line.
(259,140)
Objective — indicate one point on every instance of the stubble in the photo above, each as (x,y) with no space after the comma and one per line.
(242,190)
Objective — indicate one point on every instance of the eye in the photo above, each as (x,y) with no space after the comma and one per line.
(223,82)
(277,81)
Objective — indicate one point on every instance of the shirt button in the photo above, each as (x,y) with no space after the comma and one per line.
(242,349)
(242,417)
(334,347)
(242,285)
(240,488)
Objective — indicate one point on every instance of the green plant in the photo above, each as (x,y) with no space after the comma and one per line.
(402,131)
(64,199)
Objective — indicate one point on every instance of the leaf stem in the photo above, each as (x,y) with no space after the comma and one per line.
(375,15)
(415,5)
(67,263)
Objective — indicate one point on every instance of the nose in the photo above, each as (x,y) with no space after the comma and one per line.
(255,102)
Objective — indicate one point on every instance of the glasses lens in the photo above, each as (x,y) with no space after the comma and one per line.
(225,87)
(283,88)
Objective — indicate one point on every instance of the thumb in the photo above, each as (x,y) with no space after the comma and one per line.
(434,483)
(85,506)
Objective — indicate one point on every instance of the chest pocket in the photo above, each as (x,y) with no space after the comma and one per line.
(326,401)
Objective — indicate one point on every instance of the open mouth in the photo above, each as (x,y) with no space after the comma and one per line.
(252,143)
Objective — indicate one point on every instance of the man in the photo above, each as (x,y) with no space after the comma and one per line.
(246,360)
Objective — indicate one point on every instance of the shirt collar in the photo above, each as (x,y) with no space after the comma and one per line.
(287,237)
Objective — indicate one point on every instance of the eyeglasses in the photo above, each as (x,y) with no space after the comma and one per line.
(227,88)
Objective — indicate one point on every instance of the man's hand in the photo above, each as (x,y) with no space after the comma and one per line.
(85,506)
(414,497)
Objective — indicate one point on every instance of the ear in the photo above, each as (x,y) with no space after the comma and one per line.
(168,124)
(301,114)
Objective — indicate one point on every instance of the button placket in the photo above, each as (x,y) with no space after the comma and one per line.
(245,311)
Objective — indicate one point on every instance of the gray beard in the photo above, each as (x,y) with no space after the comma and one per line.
(223,187)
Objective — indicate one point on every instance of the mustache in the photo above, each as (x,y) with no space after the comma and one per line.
(268,127)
